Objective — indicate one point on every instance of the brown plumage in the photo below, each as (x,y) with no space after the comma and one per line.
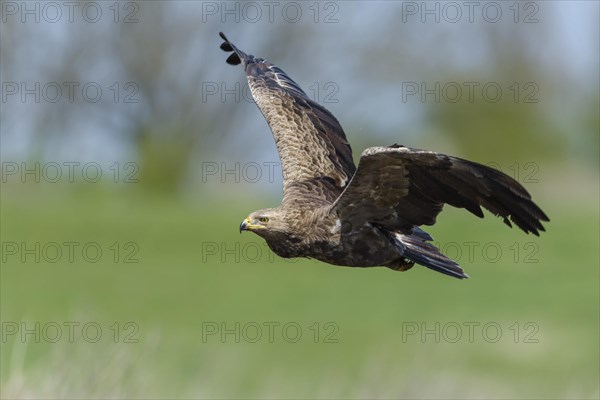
(370,215)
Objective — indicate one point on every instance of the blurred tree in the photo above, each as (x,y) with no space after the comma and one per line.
(505,120)
(171,52)
(501,132)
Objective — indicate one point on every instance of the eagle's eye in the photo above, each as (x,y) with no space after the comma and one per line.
(263,219)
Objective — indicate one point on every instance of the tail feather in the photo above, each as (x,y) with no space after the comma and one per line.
(416,249)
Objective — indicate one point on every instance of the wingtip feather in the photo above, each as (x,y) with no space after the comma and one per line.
(236,57)
(233,59)
(225,46)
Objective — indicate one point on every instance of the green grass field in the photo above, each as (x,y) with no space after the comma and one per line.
(525,326)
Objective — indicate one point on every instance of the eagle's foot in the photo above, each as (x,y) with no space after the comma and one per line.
(401,265)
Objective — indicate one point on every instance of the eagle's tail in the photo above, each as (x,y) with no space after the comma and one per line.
(415,248)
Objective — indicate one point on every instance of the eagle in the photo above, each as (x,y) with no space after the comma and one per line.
(371,214)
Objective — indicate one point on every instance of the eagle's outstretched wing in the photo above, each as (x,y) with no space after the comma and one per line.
(311,143)
(398,188)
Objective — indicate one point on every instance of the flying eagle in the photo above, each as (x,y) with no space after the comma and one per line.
(368,215)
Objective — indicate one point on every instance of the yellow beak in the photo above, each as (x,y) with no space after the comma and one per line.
(247,225)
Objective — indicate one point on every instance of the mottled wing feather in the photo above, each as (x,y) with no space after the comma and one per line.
(398,188)
(310,141)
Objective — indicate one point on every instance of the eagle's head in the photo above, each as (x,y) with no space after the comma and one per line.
(272,225)
(267,222)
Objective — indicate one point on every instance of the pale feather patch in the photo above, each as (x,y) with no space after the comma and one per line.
(336,228)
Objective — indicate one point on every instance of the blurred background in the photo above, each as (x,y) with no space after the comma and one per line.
(131,152)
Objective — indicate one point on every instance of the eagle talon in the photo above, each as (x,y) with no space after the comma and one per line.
(404,265)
